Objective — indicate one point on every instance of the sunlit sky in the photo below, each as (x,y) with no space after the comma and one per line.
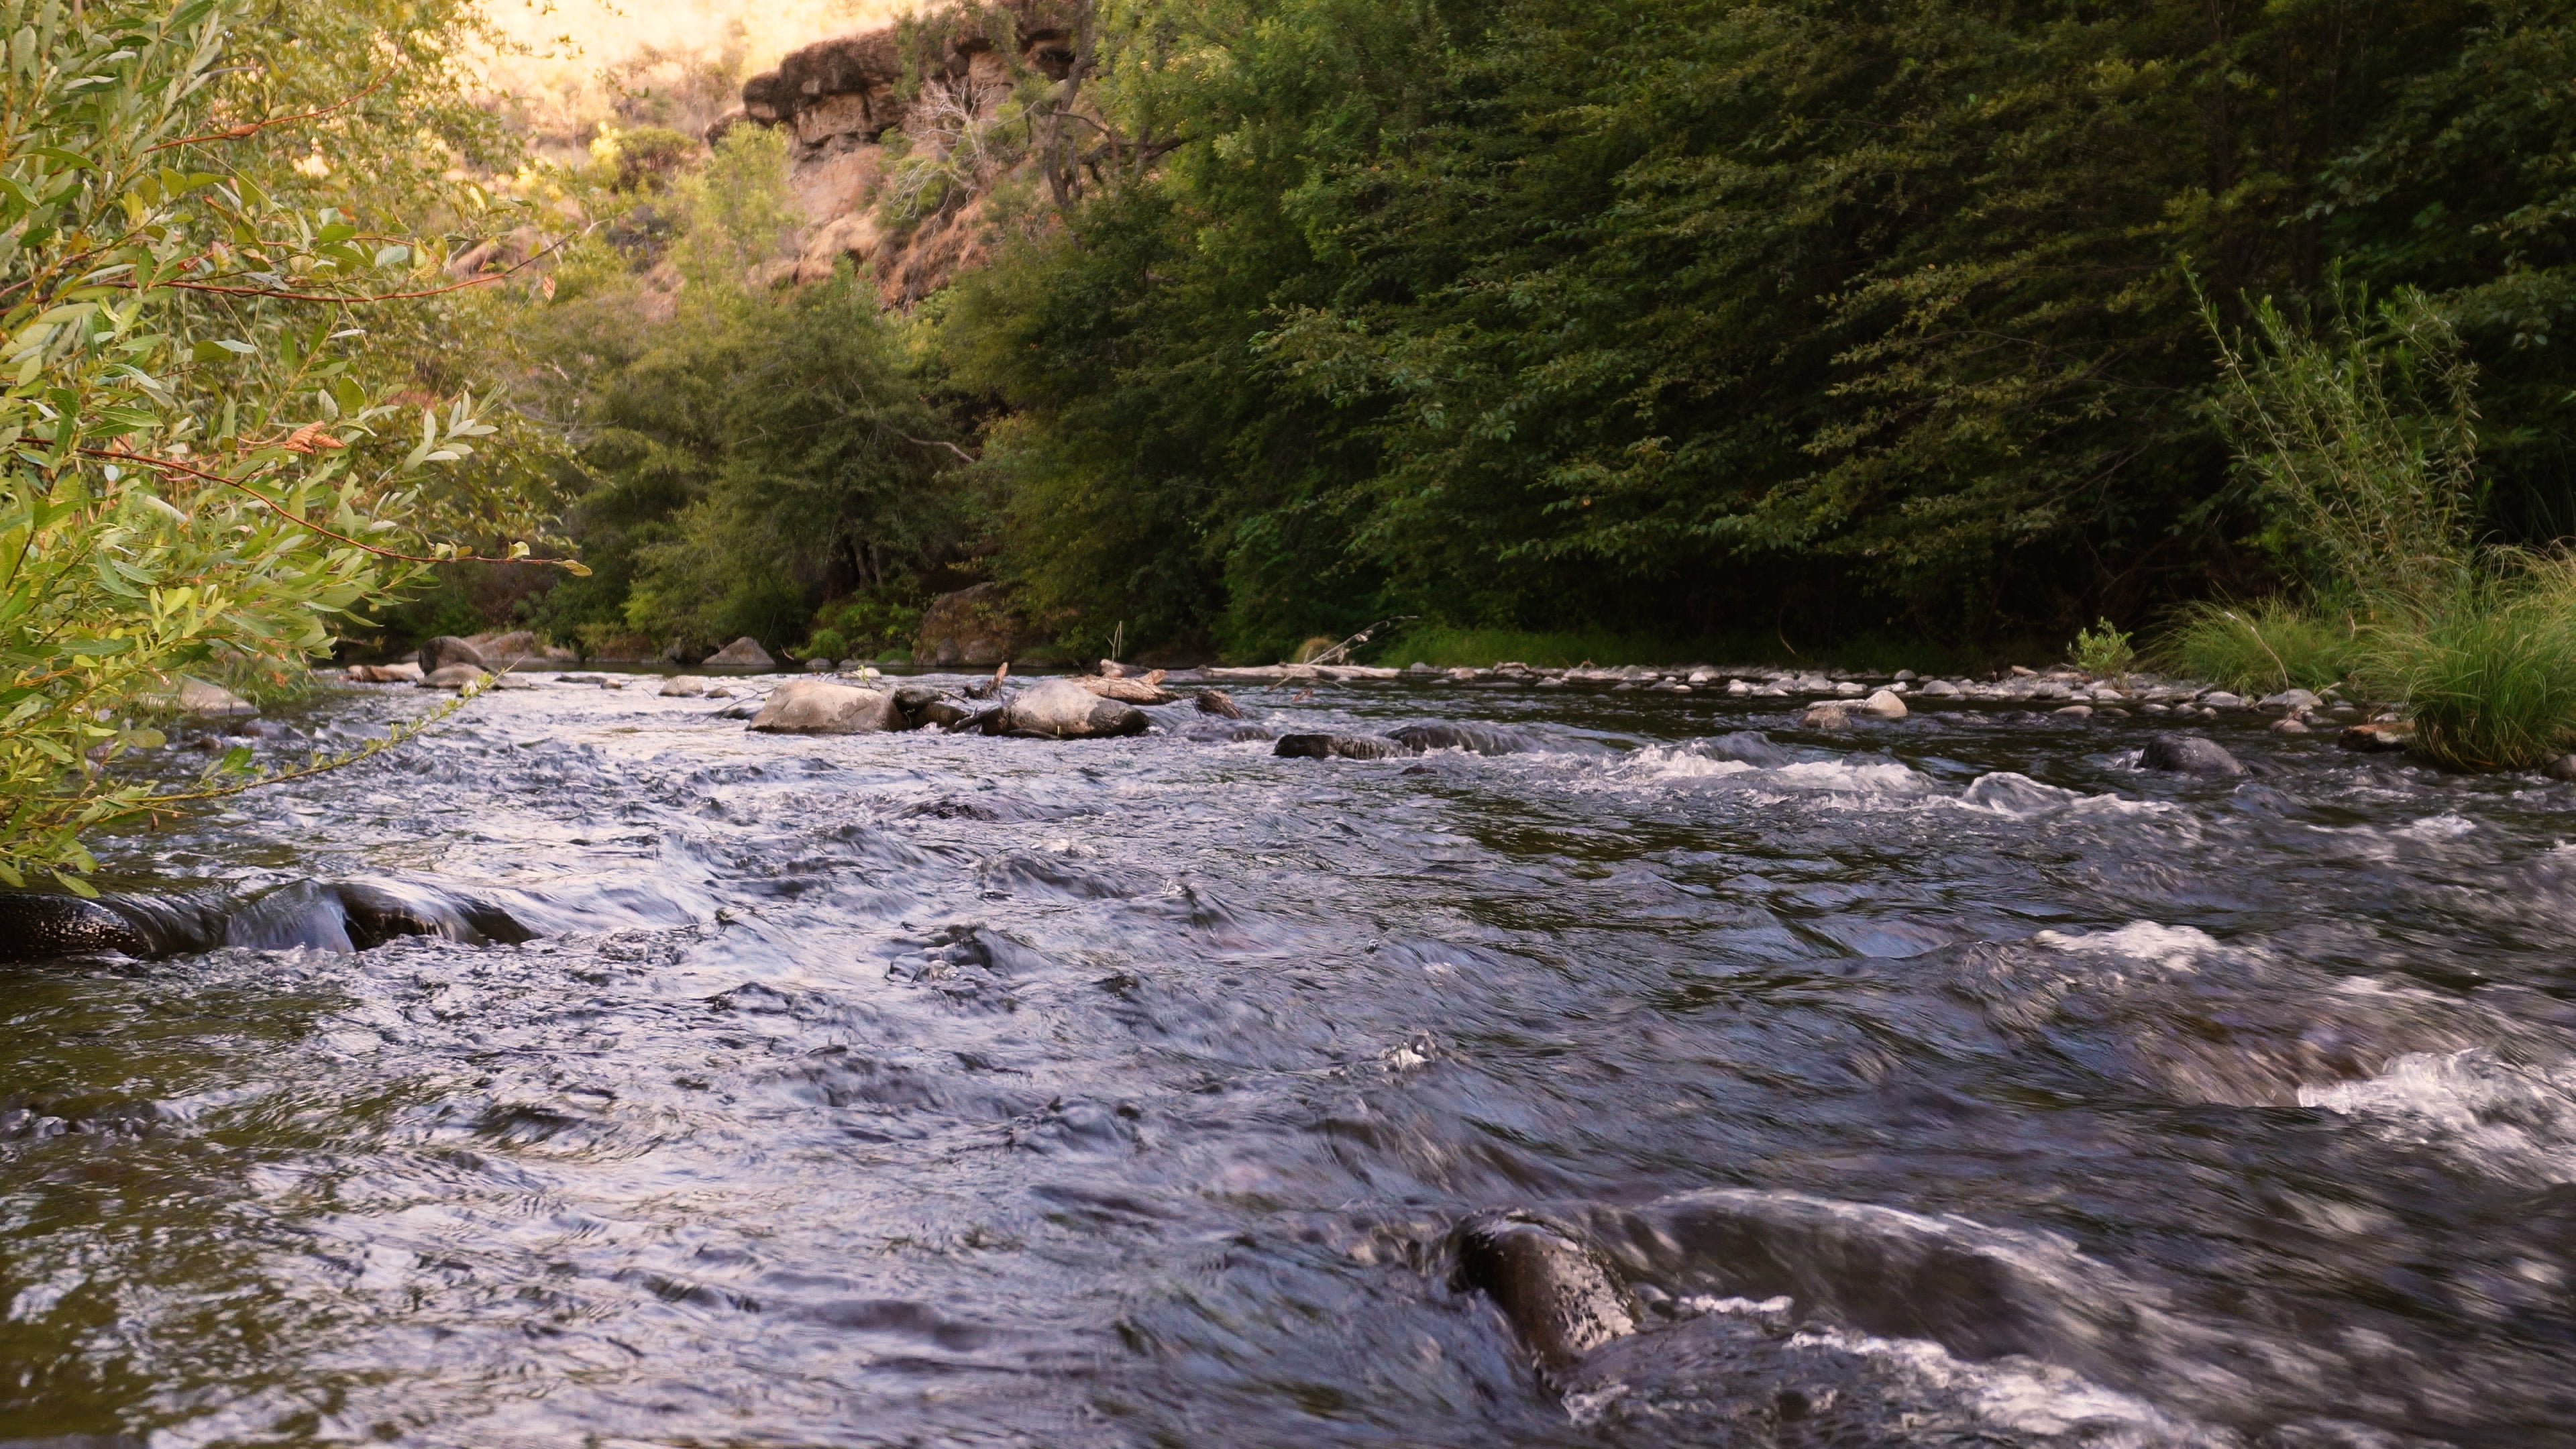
(574,38)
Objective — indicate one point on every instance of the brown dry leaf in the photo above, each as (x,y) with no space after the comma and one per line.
(310,437)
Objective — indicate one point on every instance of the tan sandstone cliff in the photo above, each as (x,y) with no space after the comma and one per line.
(844,99)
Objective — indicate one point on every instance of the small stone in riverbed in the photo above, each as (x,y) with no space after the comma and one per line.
(2289,726)
(683,686)
(2562,768)
(2221,699)
(1847,689)
(2291,699)
(2074,711)
(2188,755)
(818,666)
(1941,689)
(1826,717)
(2378,736)
(1885,704)
(196,696)
(1907,676)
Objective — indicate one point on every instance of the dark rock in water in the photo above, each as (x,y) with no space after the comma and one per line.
(1746,747)
(2189,755)
(2378,736)
(361,915)
(743,653)
(1218,702)
(922,706)
(1336,747)
(41,928)
(1474,739)
(447,649)
(1559,1297)
(2562,768)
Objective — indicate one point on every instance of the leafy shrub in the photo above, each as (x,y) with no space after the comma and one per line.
(2103,650)
(826,644)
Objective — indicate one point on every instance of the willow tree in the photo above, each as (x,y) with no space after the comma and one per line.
(190,462)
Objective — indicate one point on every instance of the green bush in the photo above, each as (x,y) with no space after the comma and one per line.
(2103,650)
(2261,647)
(826,644)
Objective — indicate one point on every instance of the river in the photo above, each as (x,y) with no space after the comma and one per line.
(1946,1081)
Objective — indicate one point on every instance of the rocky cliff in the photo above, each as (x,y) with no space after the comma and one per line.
(852,102)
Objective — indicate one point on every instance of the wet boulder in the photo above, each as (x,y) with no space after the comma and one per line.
(921,706)
(821,707)
(42,927)
(446,650)
(1826,717)
(1337,747)
(1218,702)
(1884,703)
(683,686)
(2377,736)
(407,672)
(1061,709)
(1146,690)
(2189,755)
(743,653)
(1474,739)
(453,676)
(1560,1298)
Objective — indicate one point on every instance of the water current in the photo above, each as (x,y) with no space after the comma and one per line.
(1948,1081)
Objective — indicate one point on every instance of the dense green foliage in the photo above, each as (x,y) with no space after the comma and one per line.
(1678,316)
(756,452)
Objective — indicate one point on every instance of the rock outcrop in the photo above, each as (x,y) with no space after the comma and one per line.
(743,653)
(1061,709)
(839,98)
(976,626)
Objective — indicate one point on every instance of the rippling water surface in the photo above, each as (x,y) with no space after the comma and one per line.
(1942,1082)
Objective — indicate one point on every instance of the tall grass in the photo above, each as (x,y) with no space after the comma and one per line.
(2489,675)
(2257,648)
(2362,440)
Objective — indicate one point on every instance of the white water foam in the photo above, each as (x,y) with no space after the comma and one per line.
(2513,1121)
(2023,1395)
(2176,948)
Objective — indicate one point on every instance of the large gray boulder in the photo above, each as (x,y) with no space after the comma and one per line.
(821,707)
(2189,755)
(447,649)
(743,653)
(1061,709)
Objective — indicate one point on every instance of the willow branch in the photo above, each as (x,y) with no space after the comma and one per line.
(168,465)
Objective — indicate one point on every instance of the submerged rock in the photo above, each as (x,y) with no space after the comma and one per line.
(197,697)
(1060,709)
(1337,747)
(1474,739)
(743,653)
(683,686)
(2189,755)
(42,927)
(1560,1299)
(820,707)
(1826,717)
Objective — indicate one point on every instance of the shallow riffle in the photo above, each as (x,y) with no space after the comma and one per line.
(1946,1079)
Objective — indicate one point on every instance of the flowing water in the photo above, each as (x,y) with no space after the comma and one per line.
(1949,1081)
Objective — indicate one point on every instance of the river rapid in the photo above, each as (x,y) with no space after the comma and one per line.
(1944,1081)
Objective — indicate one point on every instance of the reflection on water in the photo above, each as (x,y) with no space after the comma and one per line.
(1949,1081)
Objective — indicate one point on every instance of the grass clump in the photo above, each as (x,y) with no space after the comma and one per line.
(2362,440)
(2489,678)
(2257,648)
